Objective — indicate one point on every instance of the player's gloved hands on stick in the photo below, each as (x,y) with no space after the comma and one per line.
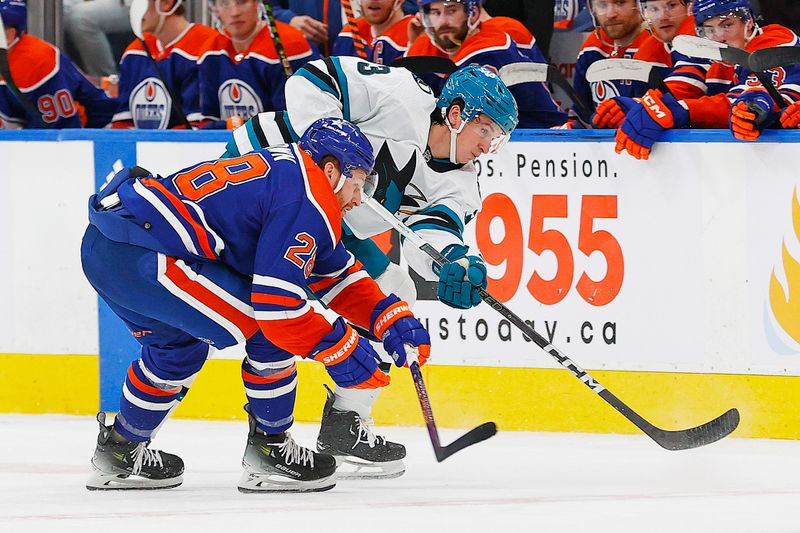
(751,113)
(611,113)
(393,322)
(790,118)
(646,121)
(350,359)
(460,279)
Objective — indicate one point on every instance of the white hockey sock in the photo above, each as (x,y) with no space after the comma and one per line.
(358,400)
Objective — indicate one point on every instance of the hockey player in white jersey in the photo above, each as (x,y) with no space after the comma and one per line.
(424,148)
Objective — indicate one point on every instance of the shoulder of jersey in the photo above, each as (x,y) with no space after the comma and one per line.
(513,27)
(773,35)
(136,46)
(489,40)
(423,46)
(653,50)
(318,190)
(193,42)
(32,62)
(398,33)
(294,42)
(596,43)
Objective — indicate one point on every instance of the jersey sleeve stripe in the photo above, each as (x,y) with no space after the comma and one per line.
(320,79)
(338,73)
(241,137)
(274,299)
(283,314)
(285,127)
(268,282)
(342,285)
(180,207)
(168,215)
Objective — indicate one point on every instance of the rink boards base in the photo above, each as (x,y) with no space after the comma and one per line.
(515,398)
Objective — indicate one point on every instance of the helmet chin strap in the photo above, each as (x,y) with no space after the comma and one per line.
(453,135)
(162,15)
(340,183)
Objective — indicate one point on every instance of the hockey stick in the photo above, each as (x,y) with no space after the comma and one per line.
(684,439)
(522,72)
(779,56)
(692,46)
(473,436)
(276,39)
(137,11)
(426,64)
(628,69)
(5,72)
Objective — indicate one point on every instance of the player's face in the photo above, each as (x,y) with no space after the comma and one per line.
(377,12)
(150,17)
(448,24)
(727,29)
(239,17)
(618,18)
(664,17)
(478,137)
(350,195)
(11,34)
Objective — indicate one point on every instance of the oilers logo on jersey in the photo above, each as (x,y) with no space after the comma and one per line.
(237,98)
(150,104)
(603,90)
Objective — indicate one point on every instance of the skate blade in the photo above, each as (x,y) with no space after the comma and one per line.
(349,467)
(252,483)
(101,481)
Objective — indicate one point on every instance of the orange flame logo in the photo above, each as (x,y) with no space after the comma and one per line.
(785,301)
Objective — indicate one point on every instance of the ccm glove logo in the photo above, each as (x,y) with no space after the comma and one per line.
(653,106)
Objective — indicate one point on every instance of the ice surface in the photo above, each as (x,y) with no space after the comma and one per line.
(514,482)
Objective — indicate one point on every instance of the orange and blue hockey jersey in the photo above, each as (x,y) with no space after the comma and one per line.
(54,86)
(495,49)
(246,83)
(687,77)
(599,46)
(521,36)
(270,215)
(144,101)
(382,49)
(713,111)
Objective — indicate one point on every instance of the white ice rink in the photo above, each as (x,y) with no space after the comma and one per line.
(513,482)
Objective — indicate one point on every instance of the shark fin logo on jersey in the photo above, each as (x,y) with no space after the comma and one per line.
(237,98)
(150,105)
(603,90)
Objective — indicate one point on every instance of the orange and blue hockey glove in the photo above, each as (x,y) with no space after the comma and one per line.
(751,113)
(393,322)
(647,120)
(350,359)
(611,113)
(790,118)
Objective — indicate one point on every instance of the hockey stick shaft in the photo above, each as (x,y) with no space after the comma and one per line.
(5,72)
(276,40)
(671,440)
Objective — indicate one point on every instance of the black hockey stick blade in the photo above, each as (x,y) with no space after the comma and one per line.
(473,436)
(779,56)
(707,433)
(426,64)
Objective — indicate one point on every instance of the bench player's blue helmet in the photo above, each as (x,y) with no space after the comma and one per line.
(483,93)
(344,141)
(15,14)
(708,9)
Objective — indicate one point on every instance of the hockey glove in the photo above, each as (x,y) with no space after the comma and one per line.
(646,121)
(460,279)
(610,113)
(790,118)
(350,359)
(392,322)
(752,112)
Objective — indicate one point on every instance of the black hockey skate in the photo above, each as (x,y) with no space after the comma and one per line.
(278,464)
(359,453)
(131,465)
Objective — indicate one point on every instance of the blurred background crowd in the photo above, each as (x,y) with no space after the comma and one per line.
(158,64)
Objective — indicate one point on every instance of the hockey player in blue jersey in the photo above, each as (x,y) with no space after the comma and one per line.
(240,69)
(48,79)
(175,44)
(454,31)
(227,252)
(424,149)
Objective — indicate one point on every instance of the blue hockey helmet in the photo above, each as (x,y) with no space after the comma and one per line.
(344,141)
(483,93)
(708,9)
(15,14)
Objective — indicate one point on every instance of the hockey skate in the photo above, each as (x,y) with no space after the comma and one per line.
(359,453)
(279,464)
(131,465)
